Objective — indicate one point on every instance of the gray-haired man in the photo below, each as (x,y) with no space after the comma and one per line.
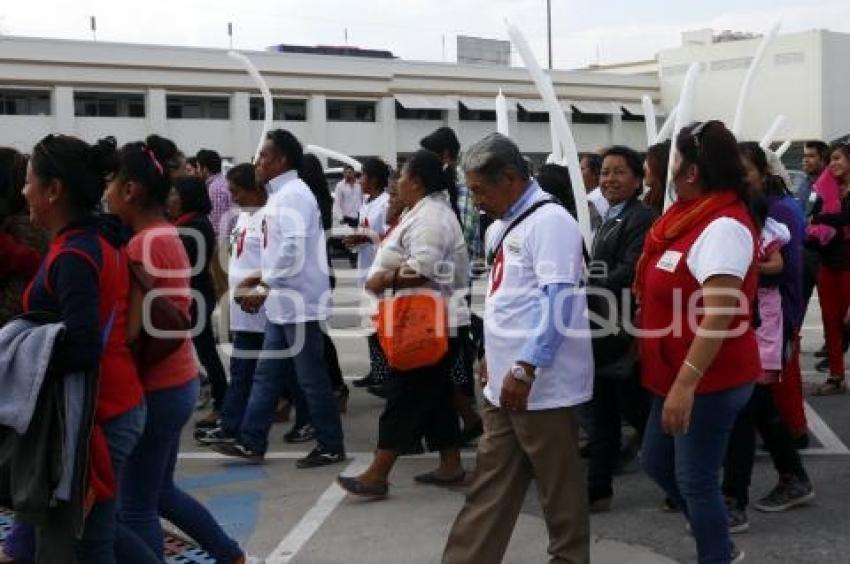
(539,364)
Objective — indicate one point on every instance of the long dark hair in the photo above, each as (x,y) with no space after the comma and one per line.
(194,196)
(657,160)
(428,167)
(313,175)
(147,163)
(81,168)
(555,180)
(774,186)
(714,150)
(13,173)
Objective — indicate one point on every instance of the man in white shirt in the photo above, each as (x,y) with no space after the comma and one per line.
(372,217)
(591,166)
(539,365)
(294,287)
(348,197)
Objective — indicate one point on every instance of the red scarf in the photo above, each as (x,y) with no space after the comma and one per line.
(677,221)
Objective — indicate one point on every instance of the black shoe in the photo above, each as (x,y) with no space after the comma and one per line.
(320,457)
(821,353)
(584,451)
(378,391)
(599,501)
(362,489)
(215,436)
(365,381)
(303,434)
(823,365)
(238,450)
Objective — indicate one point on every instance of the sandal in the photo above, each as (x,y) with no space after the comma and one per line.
(434,479)
(363,489)
(832,387)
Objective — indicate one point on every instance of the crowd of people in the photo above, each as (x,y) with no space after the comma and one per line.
(683,323)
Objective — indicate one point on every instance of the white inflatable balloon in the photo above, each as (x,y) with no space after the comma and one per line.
(328,153)
(667,127)
(683,117)
(502,120)
(783,149)
(264,90)
(649,118)
(564,145)
(746,87)
(770,135)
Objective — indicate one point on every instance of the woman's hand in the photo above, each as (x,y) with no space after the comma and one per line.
(380,281)
(676,417)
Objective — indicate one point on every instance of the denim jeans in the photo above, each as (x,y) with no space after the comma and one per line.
(99,536)
(304,372)
(243,363)
(687,466)
(148,489)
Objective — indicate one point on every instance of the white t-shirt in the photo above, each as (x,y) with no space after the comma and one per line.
(294,257)
(347,199)
(597,199)
(546,248)
(246,247)
(372,221)
(725,247)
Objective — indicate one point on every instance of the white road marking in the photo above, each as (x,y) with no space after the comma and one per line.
(295,540)
(830,441)
(291,455)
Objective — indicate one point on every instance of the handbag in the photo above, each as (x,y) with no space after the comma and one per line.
(163,316)
(412,328)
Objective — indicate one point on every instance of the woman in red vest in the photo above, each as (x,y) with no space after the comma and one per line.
(696,284)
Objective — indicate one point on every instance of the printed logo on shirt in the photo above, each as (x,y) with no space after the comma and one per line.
(669,261)
(498,272)
(513,247)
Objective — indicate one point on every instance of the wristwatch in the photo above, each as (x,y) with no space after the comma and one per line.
(519,373)
(263,289)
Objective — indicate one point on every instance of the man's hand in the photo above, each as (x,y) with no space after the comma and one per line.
(351,241)
(483,376)
(515,392)
(379,282)
(251,294)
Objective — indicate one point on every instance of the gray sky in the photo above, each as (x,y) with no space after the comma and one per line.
(612,30)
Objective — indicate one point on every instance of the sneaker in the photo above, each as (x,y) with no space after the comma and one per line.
(215,436)
(737,554)
(789,492)
(738,520)
(320,457)
(238,450)
(822,365)
(302,434)
(821,353)
(210,421)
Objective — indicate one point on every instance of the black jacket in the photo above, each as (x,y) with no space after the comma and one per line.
(617,247)
(201,281)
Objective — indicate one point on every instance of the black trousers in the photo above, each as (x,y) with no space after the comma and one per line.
(613,401)
(207,351)
(761,415)
(420,403)
(332,362)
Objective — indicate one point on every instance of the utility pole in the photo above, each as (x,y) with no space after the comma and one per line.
(549,29)
(93,22)
(230,33)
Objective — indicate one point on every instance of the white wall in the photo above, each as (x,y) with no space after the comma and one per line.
(23,132)
(125,130)
(191,135)
(836,85)
(789,83)
(410,131)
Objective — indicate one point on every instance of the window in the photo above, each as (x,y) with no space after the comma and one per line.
(197,107)
(599,119)
(524,116)
(476,115)
(403,113)
(24,102)
(283,109)
(350,110)
(109,104)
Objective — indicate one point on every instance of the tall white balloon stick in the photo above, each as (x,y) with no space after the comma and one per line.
(683,118)
(667,128)
(746,87)
(783,149)
(328,153)
(770,135)
(502,123)
(264,90)
(562,135)
(649,118)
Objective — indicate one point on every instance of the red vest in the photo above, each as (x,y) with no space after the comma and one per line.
(668,290)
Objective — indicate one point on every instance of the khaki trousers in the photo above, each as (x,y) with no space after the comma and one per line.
(516,448)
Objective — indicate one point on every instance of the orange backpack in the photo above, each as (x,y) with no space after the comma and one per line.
(412,329)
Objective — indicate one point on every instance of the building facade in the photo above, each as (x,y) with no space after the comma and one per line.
(201,98)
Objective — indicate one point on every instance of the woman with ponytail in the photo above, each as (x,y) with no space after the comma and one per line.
(139,183)
(84,281)
(425,250)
